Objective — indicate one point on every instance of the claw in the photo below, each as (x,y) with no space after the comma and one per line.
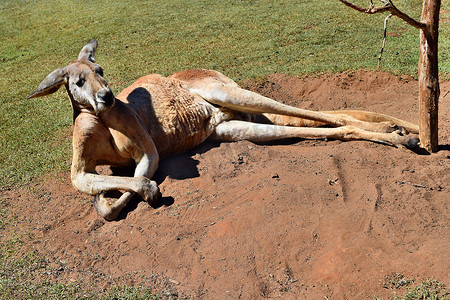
(408,141)
(413,142)
(394,128)
(110,210)
(103,207)
(150,190)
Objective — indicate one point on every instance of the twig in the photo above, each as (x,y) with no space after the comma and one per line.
(390,7)
(446,94)
(371,6)
(413,184)
(384,39)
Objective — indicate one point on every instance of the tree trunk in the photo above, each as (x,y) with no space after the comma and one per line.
(429,76)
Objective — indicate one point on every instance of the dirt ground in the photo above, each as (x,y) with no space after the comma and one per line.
(298,219)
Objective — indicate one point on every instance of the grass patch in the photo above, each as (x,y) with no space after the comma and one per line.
(396,281)
(429,289)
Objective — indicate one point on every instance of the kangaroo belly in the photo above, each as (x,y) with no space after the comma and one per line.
(176,119)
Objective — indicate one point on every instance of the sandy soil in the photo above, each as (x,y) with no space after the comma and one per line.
(299,219)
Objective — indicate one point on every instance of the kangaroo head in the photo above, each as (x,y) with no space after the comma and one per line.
(84,83)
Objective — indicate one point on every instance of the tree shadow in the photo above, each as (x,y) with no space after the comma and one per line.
(422,151)
(444,148)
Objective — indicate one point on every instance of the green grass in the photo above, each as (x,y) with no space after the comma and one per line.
(242,38)
(429,289)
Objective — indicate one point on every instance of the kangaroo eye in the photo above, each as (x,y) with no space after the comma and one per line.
(80,82)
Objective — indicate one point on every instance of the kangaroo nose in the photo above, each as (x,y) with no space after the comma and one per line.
(105,96)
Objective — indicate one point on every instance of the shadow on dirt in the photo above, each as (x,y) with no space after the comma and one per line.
(182,166)
(179,167)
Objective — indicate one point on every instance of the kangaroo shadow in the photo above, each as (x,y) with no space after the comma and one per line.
(180,167)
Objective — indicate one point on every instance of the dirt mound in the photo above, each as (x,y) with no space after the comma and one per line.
(296,219)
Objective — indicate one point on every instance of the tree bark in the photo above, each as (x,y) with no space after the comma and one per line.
(429,76)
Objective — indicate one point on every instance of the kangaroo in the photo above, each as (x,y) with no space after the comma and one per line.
(161,116)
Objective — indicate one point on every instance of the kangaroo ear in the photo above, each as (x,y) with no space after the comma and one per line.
(88,51)
(50,84)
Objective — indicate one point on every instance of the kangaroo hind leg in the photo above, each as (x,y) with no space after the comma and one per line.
(220,90)
(241,130)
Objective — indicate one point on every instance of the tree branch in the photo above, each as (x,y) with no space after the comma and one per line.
(384,40)
(390,7)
